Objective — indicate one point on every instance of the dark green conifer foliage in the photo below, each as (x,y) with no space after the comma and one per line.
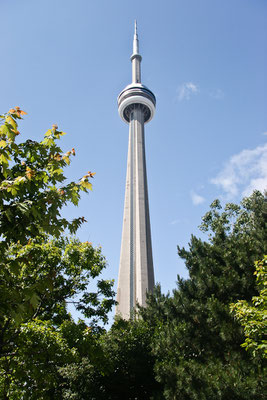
(197,342)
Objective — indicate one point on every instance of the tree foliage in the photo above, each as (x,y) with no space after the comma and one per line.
(253,316)
(123,370)
(42,269)
(196,340)
(186,345)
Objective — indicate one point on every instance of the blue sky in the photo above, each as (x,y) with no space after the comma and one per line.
(65,62)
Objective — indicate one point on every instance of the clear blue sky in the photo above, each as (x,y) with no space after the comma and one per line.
(65,62)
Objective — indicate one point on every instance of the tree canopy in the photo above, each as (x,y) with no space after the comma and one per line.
(196,341)
(187,345)
(42,267)
(252,315)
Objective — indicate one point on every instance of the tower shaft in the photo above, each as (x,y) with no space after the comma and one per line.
(136,274)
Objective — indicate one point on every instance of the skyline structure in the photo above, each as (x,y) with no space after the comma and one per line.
(136,106)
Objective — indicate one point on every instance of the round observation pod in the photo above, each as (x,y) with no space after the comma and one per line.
(136,93)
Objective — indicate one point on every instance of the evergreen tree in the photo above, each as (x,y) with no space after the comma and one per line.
(196,339)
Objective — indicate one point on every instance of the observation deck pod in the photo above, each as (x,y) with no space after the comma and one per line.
(136,93)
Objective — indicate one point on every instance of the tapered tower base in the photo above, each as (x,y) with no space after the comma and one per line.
(136,274)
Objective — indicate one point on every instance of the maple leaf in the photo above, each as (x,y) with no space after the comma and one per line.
(57,157)
(15,131)
(61,192)
(17,111)
(29,173)
(11,122)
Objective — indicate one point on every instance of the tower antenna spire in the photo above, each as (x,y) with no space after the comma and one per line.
(136,58)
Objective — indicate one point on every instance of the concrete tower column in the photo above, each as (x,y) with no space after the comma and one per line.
(136,274)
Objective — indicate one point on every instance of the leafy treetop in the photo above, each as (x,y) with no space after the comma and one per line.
(32,188)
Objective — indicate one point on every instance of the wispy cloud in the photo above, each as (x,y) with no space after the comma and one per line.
(217,94)
(186,90)
(196,198)
(265,133)
(174,222)
(243,173)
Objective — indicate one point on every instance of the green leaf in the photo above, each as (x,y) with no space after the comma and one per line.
(12,122)
(3,159)
(66,159)
(86,185)
(20,180)
(4,130)
(58,171)
(9,214)
(35,212)
(35,300)
(3,144)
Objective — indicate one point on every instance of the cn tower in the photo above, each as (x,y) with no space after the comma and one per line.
(136,106)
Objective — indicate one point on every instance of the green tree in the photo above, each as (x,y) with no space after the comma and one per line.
(196,340)
(252,316)
(124,368)
(42,269)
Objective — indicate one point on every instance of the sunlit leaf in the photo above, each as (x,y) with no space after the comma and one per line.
(3,159)
(3,143)
(12,122)
(30,173)
(86,184)
(66,159)
(4,130)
